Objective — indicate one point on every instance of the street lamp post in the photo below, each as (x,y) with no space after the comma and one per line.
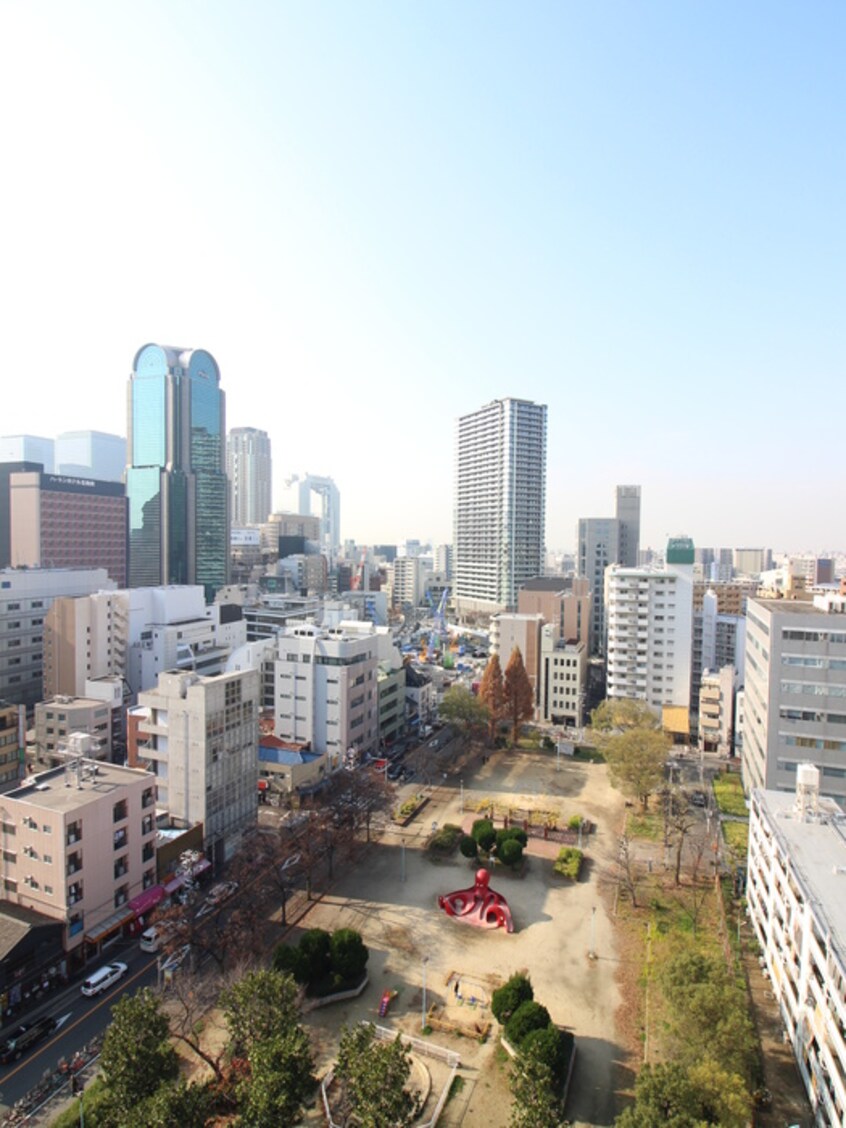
(423,1012)
(592,951)
(461,785)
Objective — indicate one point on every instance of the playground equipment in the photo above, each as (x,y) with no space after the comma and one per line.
(386,1000)
(479,905)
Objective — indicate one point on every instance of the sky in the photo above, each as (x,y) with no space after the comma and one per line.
(379,217)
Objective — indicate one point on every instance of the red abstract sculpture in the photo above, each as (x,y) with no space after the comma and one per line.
(480,905)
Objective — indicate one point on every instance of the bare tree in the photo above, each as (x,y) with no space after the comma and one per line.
(681,822)
(189,1000)
(626,873)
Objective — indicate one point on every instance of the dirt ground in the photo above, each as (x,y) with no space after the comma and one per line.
(556,924)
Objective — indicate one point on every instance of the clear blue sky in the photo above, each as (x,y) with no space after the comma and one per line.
(381,216)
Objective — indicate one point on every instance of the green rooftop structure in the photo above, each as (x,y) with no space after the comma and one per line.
(680,550)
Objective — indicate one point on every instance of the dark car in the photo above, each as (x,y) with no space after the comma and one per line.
(25,1037)
(395,771)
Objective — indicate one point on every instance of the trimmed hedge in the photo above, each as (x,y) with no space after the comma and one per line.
(528,1017)
(468,846)
(506,999)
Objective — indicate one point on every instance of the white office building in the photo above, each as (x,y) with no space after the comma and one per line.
(26,596)
(562,680)
(407,581)
(90,454)
(795,692)
(650,629)
(200,735)
(136,634)
(500,504)
(325,688)
(796,897)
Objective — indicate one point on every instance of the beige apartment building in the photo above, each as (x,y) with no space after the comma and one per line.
(57,719)
(731,595)
(79,845)
(524,632)
(12,725)
(564,603)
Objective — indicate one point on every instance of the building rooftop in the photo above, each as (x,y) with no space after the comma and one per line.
(66,789)
(16,921)
(816,846)
(821,605)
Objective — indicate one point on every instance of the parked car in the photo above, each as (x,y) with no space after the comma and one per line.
(216,896)
(25,1037)
(176,959)
(395,771)
(103,978)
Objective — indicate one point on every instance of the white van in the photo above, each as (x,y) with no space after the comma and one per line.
(103,978)
(153,938)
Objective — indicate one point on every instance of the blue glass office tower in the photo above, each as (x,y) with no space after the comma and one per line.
(176,478)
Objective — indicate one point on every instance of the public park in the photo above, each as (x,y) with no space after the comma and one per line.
(443,972)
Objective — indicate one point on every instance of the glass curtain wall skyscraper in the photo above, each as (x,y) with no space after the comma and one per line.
(249,466)
(500,503)
(176,478)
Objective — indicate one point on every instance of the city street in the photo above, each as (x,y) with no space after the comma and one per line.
(80,1019)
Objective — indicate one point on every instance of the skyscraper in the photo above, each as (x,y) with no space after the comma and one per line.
(176,479)
(248,465)
(628,522)
(499,503)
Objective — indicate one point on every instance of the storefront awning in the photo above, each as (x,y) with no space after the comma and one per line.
(109,925)
(196,870)
(147,900)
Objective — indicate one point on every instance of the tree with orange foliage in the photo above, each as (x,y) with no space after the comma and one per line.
(492,694)
(519,696)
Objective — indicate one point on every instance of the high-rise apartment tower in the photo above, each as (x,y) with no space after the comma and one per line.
(499,503)
(176,478)
(249,467)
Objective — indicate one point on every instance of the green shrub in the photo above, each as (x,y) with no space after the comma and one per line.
(506,999)
(552,1046)
(444,840)
(510,853)
(95,1102)
(481,826)
(574,822)
(468,846)
(569,862)
(529,1016)
(288,958)
(348,955)
(515,832)
(315,951)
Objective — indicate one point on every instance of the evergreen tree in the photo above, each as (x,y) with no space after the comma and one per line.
(137,1055)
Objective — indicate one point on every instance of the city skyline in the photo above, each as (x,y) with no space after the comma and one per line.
(629,214)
